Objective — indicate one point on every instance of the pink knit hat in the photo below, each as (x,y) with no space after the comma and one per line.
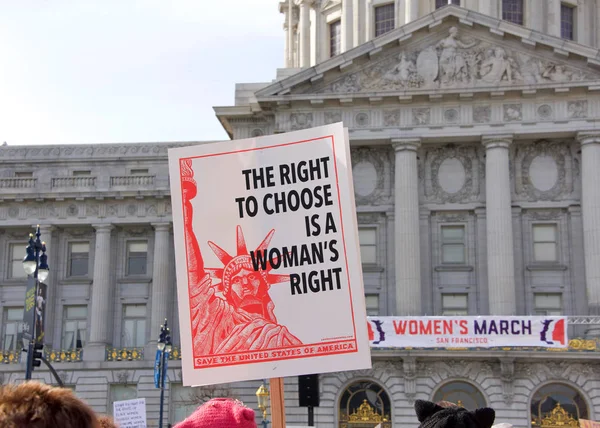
(220,413)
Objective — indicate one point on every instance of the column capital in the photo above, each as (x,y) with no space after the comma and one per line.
(588,137)
(479,212)
(158,227)
(103,228)
(402,144)
(493,141)
(574,209)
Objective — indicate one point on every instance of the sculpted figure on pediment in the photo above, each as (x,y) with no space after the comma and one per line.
(454,62)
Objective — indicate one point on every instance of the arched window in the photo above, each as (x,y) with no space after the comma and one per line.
(461,393)
(557,404)
(365,404)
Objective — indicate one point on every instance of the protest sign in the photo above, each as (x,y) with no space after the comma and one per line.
(468,332)
(269,276)
(130,413)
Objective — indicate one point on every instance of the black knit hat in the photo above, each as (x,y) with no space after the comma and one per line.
(431,415)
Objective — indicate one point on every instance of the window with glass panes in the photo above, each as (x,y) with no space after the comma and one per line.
(367,237)
(79,258)
(567,21)
(512,11)
(121,393)
(548,304)
(139,171)
(372,303)
(11,322)
(183,402)
(545,248)
(453,245)
(335,38)
(455,304)
(442,3)
(74,327)
(384,19)
(137,257)
(17,252)
(134,326)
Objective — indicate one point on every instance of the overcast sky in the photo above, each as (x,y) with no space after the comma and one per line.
(105,71)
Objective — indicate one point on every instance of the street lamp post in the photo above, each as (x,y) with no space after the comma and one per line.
(164,348)
(262,395)
(36,266)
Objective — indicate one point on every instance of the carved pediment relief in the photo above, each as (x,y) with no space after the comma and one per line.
(455,59)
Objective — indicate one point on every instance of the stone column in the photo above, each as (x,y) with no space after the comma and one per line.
(553,15)
(412,10)
(52,252)
(597,25)
(590,204)
(160,279)
(304,42)
(481,248)
(101,295)
(347,21)
(286,29)
(500,256)
(290,33)
(406,228)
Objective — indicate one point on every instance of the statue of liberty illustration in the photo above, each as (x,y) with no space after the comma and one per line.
(237,313)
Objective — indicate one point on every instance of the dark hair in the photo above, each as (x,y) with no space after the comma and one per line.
(36,405)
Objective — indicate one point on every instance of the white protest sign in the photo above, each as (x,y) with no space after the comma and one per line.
(130,413)
(269,276)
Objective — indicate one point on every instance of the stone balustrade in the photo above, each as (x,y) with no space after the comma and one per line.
(132,180)
(68,182)
(18,183)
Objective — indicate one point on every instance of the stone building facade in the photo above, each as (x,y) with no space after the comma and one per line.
(475,142)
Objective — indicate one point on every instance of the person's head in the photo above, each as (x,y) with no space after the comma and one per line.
(431,415)
(220,413)
(107,422)
(36,405)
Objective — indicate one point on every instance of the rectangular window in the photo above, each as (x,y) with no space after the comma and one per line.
(442,3)
(13,317)
(368,245)
(384,19)
(121,393)
(567,21)
(512,11)
(548,304)
(17,252)
(184,401)
(134,326)
(372,302)
(545,243)
(455,304)
(23,174)
(82,173)
(453,245)
(74,327)
(79,258)
(139,171)
(335,38)
(137,257)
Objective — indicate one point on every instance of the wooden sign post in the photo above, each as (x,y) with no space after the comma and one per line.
(277,402)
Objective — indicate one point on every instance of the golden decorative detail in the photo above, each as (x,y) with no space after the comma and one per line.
(64,355)
(124,354)
(583,344)
(10,357)
(175,353)
(459,403)
(366,414)
(558,418)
